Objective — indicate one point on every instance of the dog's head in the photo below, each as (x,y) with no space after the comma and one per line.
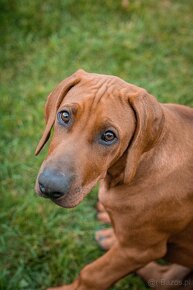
(97,119)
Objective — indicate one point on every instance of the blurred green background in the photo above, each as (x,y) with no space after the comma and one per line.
(149,43)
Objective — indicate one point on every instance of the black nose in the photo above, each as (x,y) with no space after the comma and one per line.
(54,184)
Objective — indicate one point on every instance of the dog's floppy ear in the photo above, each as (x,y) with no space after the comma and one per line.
(149,124)
(53,102)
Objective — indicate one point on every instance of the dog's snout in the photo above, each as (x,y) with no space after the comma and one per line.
(54,184)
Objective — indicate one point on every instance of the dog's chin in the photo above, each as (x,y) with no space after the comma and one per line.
(74,197)
(68,201)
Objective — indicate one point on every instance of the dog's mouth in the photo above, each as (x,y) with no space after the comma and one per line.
(66,200)
(69,201)
(66,197)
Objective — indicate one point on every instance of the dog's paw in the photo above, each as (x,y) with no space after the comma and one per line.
(104,217)
(105,238)
(102,214)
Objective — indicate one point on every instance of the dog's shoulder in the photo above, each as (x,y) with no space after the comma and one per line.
(182,112)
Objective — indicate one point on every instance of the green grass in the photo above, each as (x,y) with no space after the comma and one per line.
(42,42)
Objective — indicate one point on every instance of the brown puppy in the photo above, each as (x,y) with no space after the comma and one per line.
(141,151)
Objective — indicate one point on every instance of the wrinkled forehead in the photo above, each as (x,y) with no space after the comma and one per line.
(93,87)
(106,96)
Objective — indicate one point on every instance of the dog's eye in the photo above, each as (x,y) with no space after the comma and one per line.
(64,117)
(108,136)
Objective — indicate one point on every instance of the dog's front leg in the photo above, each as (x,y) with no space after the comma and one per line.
(115,264)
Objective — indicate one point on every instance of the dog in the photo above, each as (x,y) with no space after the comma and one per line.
(141,153)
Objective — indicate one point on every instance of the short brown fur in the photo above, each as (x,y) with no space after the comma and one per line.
(146,178)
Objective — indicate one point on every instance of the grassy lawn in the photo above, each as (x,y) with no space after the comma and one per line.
(42,42)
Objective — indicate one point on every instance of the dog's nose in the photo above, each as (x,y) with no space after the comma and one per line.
(54,184)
